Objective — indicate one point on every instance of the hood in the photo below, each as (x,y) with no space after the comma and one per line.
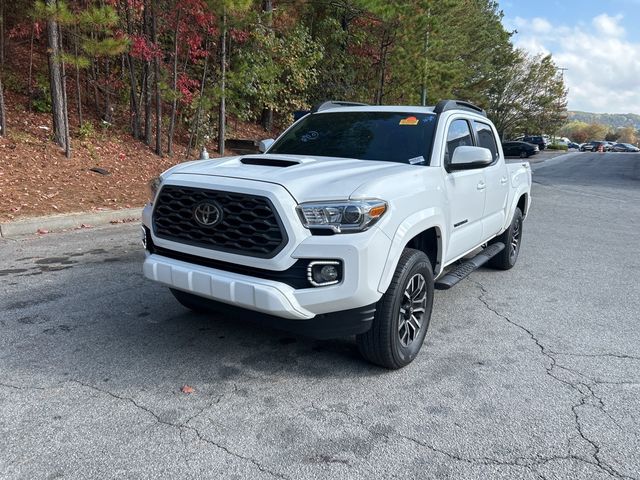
(306,178)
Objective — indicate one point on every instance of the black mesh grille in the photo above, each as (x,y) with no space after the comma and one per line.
(249,225)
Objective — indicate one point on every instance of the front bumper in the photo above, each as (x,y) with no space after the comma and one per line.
(363,257)
(257,294)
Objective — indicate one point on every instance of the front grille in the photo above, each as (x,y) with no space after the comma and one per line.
(249,225)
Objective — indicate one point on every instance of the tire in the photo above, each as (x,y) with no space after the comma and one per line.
(512,239)
(524,154)
(393,340)
(190,301)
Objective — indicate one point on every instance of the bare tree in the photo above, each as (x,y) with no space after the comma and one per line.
(58,104)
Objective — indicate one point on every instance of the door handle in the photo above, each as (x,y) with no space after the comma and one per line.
(482,186)
(503,180)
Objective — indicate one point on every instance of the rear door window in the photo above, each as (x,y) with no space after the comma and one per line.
(486,138)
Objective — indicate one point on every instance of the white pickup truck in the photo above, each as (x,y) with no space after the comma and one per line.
(345,224)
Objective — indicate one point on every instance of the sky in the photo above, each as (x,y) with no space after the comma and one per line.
(597,41)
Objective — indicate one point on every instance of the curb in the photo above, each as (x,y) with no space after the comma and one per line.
(53,223)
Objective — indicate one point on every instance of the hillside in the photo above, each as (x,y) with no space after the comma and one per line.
(614,120)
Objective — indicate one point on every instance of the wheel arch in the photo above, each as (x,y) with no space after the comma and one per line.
(422,232)
(523,204)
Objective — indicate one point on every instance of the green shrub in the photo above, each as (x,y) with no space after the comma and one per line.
(86,130)
(41,101)
(557,146)
(13,83)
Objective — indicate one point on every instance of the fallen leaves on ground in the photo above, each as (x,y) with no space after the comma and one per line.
(33,170)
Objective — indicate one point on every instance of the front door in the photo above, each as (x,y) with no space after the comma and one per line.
(466,191)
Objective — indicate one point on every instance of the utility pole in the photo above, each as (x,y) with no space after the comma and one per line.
(423,94)
(562,70)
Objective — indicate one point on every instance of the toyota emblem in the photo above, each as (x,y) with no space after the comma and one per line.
(207,214)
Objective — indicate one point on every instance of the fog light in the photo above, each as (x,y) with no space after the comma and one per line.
(324,272)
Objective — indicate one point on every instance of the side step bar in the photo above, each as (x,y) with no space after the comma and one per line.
(464,269)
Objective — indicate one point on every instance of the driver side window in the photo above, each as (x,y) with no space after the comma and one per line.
(458,135)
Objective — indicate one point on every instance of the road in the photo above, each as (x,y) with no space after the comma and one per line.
(531,373)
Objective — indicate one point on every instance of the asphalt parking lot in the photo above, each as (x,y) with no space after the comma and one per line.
(531,373)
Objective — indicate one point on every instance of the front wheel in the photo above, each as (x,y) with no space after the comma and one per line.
(512,238)
(402,314)
(524,154)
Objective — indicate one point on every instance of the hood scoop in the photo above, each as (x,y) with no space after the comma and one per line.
(268,162)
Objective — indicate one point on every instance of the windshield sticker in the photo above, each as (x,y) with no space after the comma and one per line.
(416,160)
(409,121)
(312,135)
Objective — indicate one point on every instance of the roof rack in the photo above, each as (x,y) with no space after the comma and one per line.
(335,104)
(444,105)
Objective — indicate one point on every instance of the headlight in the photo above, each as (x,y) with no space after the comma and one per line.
(342,217)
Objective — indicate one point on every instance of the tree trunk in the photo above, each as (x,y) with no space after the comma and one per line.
(107,98)
(3,117)
(156,79)
(55,77)
(78,88)
(199,109)
(223,66)
(147,102)
(174,103)
(135,112)
(267,113)
(2,33)
(65,101)
(30,84)
(146,81)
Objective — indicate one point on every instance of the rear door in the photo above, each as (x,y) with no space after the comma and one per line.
(497,181)
(465,192)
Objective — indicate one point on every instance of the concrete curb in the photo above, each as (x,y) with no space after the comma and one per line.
(54,223)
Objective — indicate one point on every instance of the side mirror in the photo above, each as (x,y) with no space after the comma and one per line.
(264,145)
(467,158)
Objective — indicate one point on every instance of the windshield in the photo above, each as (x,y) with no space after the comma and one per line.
(386,136)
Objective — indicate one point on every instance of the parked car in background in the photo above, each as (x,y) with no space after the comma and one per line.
(573,145)
(594,145)
(538,140)
(519,149)
(624,147)
(608,145)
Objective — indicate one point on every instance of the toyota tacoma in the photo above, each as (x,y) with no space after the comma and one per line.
(345,224)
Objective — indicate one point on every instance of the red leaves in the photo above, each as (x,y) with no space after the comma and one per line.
(187,88)
(143,49)
(239,36)
(195,45)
